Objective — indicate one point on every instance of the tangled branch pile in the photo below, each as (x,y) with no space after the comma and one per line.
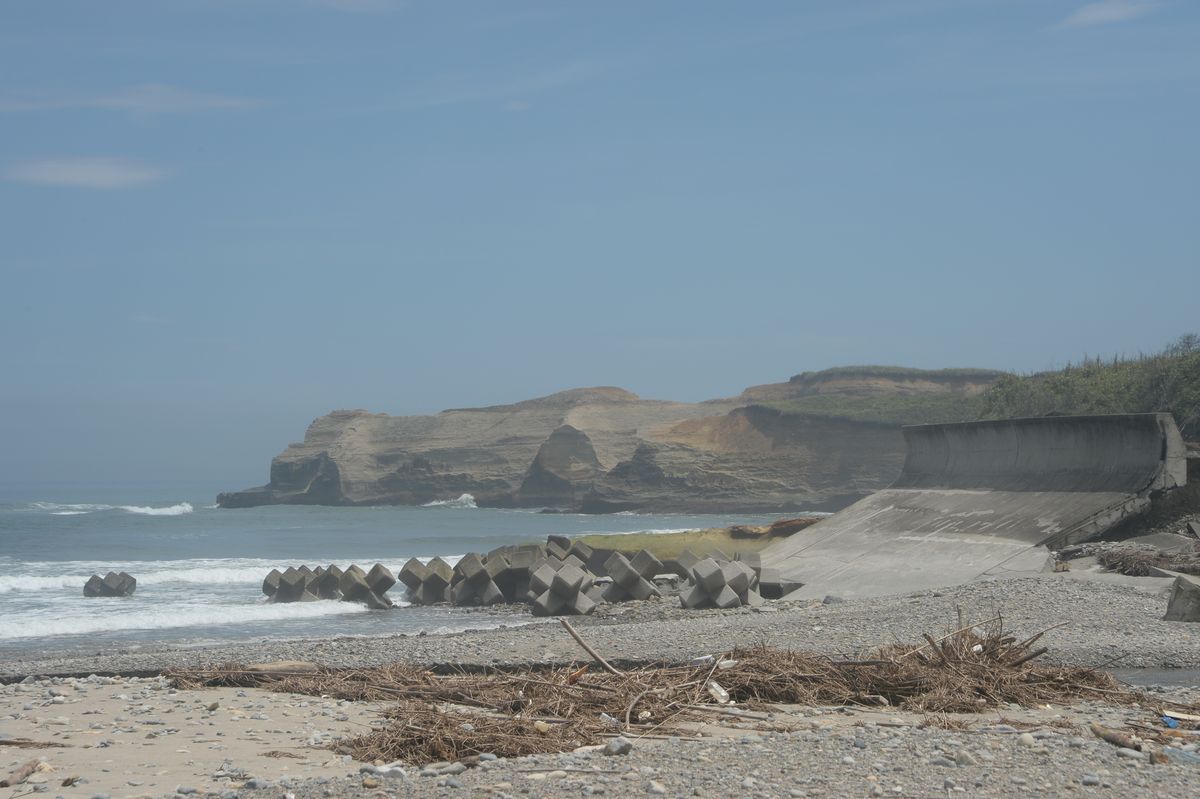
(1142,562)
(520,712)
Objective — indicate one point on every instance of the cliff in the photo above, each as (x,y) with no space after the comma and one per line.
(605,449)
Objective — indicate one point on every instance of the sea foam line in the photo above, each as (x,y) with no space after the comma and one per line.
(79,508)
(461,501)
(109,618)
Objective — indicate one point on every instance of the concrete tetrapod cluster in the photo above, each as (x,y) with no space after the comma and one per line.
(111,584)
(303,584)
(632,578)
(727,584)
(770,582)
(554,579)
(1184,604)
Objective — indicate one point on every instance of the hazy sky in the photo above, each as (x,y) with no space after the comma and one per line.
(221,219)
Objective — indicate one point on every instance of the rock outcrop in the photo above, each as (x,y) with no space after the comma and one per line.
(605,449)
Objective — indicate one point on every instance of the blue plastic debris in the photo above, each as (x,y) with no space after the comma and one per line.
(1170,722)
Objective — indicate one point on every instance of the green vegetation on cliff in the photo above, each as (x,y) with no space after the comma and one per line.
(899,373)
(1165,381)
(885,408)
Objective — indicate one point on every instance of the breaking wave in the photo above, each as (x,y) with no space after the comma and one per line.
(169,616)
(463,501)
(80,508)
(207,573)
(144,510)
(42,583)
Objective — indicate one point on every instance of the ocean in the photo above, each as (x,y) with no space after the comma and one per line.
(200,568)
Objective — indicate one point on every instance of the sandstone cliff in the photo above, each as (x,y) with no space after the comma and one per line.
(606,449)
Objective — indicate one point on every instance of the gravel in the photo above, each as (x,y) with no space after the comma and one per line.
(1108,623)
(888,760)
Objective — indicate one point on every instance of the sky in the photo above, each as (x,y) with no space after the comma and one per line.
(222,219)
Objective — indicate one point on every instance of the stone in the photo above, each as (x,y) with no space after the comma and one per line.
(618,746)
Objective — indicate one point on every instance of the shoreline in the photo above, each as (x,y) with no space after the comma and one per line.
(135,735)
(1111,623)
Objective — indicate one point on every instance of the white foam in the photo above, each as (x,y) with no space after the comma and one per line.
(214,573)
(145,510)
(66,506)
(31,583)
(109,618)
(76,508)
(663,531)
(462,501)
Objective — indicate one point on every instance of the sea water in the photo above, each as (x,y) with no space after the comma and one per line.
(200,568)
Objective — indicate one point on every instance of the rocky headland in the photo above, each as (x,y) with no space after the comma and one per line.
(816,442)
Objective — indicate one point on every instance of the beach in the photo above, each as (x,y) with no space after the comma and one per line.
(140,737)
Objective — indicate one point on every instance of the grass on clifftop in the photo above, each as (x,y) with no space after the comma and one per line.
(901,373)
(1165,381)
(891,409)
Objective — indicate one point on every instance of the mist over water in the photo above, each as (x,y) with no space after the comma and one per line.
(200,569)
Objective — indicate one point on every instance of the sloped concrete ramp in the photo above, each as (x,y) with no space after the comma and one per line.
(986,498)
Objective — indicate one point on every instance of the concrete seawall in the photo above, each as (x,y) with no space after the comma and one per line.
(987,498)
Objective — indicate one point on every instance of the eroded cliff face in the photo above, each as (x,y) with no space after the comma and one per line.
(599,450)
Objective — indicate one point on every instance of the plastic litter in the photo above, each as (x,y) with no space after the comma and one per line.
(717,692)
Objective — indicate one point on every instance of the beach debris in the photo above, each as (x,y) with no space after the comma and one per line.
(22,773)
(631,578)
(111,584)
(284,667)
(1184,604)
(717,692)
(730,584)
(517,711)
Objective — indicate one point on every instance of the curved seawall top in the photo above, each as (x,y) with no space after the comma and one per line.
(986,498)
(1126,453)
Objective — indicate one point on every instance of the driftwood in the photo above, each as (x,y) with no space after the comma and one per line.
(604,664)
(21,774)
(25,743)
(522,711)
